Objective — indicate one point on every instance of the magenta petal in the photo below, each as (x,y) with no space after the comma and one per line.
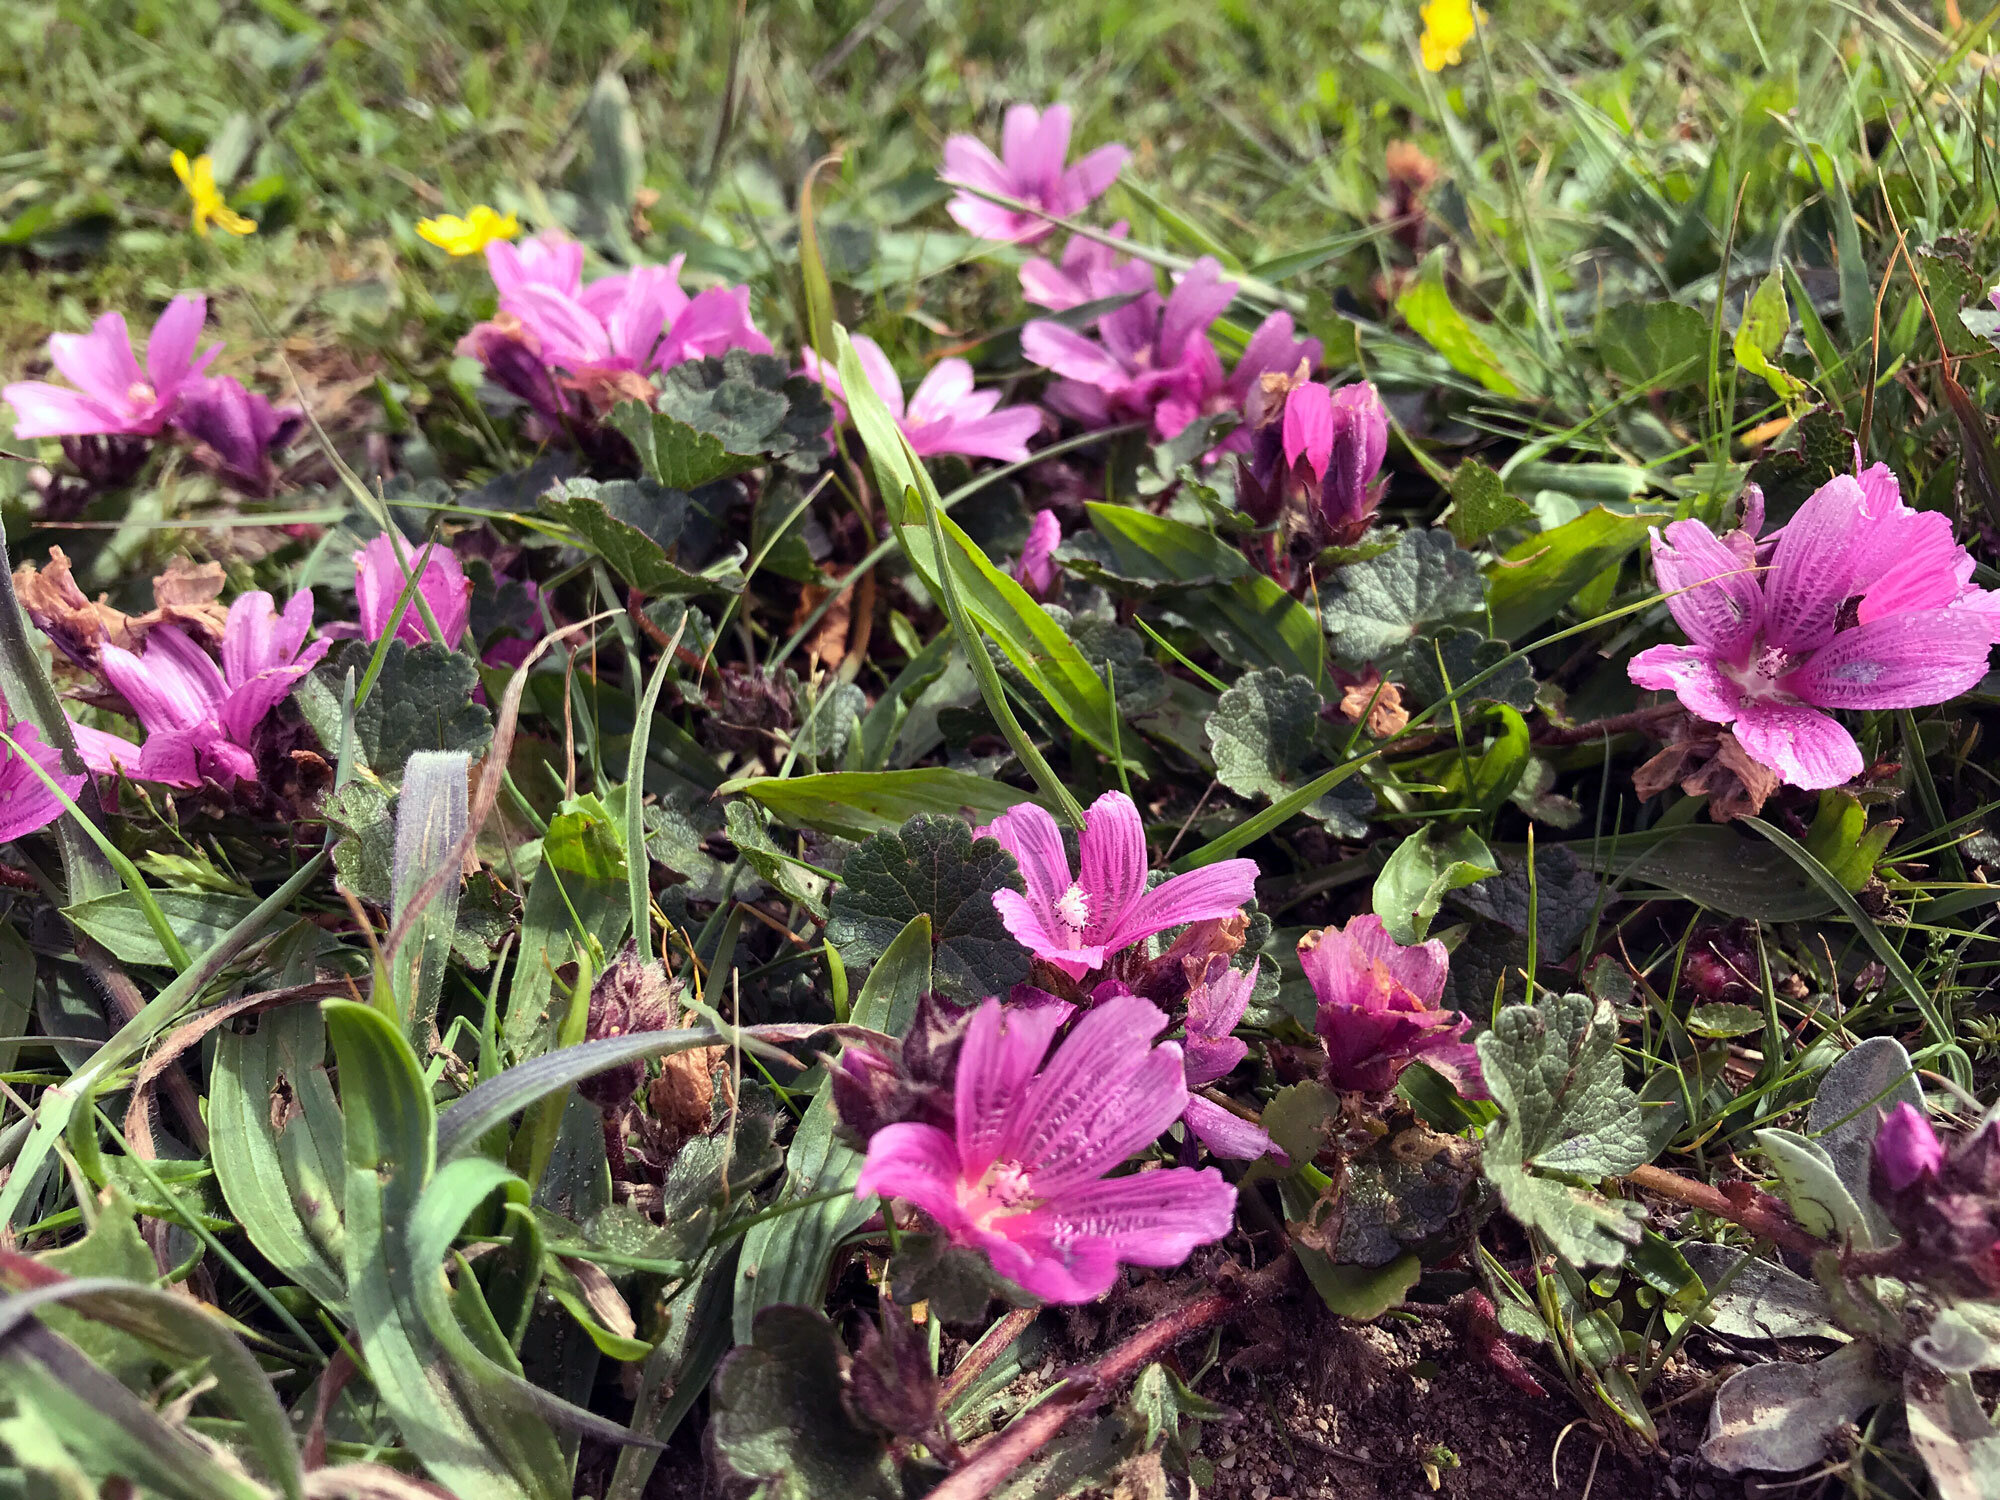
(100,362)
(1308,428)
(1420,968)
(104,753)
(919,1164)
(1804,746)
(1036,570)
(1073,1271)
(1900,661)
(174,685)
(1002,436)
(1104,1094)
(1722,605)
(882,376)
(1197,301)
(1069,353)
(1458,1062)
(1272,349)
(1907,1149)
(44,410)
(1084,183)
(1813,566)
(1212,892)
(1691,674)
(1226,1135)
(1112,853)
(944,392)
(1002,1048)
(1148,1218)
(170,348)
(251,638)
(26,803)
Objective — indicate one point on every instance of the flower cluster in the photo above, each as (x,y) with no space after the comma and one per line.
(1152,359)
(559,339)
(234,429)
(1944,1203)
(1859,602)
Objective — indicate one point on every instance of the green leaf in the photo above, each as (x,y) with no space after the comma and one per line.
(197,918)
(1758,1299)
(1137,545)
(1440,660)
(1782,1416)
(1721,1019)
(1952,1433)
(633,524)
(678,824)
(1362,1293)
(617,160)
(1540,576)
(1654,345)
(1253,623)
(422,701)
(747,831)
(751,403)
(1388,600)
(1760,337)
(282,1166)
(858,804)
(431,815)
(365,855)
(17,992)
(1261,732)
(390,1141)
(931,866)
(1810,1184)
(676,457)
(1425,868)
(1713,867)
(777,1417)
(584,839)
(112,1248)
(1553,1070)
(1480,504)
(1427,307)
(1841,839)
(1850,1100)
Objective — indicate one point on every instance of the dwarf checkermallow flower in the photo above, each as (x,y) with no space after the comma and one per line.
(1032,169)
(1023,1171)
(1077,923)
(112,394)
(382,570)
(945,413)
(1859,602)
(1378,1008)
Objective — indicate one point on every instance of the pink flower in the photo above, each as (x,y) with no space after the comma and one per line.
(945,414)
(1343,436)
(201,721)
(1036,570)
(113,395)
(1907,1150)
(26,803)
(1022,1173)
(238,428)
(1076,924)
(1091,271)
(1214,1007)
(1153,359)
(1768,653)
(1033,146)
(549,259)
(1378,1008)
(639,320)
(382,570)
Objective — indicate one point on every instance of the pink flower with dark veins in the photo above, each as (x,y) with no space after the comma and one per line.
(1036,569)
(113,395)
(945,414)
(1078,923)
(1023,1174)
(200,720)
(1152,358)
(1378,1008)
(1031,169)
(1859,607)
(381,572)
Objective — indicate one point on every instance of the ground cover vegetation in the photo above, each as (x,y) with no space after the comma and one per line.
(910,749)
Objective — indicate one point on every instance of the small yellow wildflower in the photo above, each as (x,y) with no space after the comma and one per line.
(198,177)
(471,234)
(1448,26)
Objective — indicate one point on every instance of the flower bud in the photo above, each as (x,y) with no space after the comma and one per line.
(1907,1152)
(632,994)
(1349,493)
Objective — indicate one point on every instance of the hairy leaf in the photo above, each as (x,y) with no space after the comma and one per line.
(421,701)
(1386,601)
(777,1418)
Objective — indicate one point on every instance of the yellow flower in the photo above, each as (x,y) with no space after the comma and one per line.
(471,234)
(1448,26)
(198,177)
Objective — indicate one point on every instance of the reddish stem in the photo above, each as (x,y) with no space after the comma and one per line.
(1757,1212)
(1578,734)
(998,1339)
(1000,1455)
